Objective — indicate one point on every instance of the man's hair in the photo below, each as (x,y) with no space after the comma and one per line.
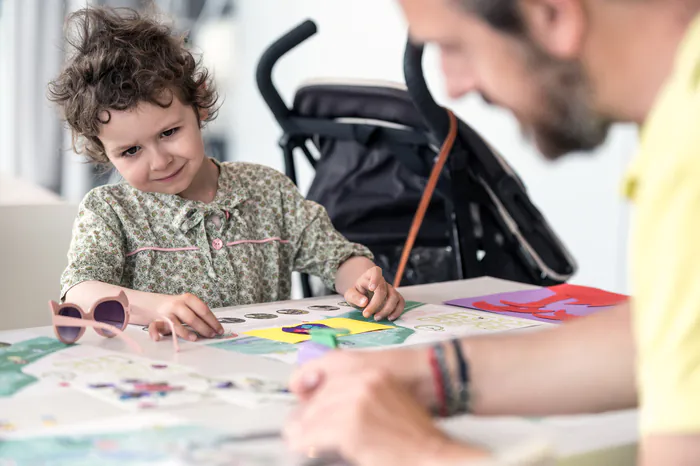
(501,14)
(121,58)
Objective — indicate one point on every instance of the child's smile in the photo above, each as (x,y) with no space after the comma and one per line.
(172,177)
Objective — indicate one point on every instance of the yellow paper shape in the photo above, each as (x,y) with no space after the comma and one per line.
(354,326)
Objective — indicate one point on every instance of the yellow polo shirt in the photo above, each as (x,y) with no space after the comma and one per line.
(664,183)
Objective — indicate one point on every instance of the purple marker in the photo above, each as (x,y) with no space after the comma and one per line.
(310,350)
(322,341)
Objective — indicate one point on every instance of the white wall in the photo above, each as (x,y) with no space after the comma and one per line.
(579,196)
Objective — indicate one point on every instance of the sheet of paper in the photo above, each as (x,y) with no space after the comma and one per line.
(50,410)
(235,328)
(446,321)
(554,304)
(421,323)
(300,332)
(16,353)
(271,314)
(139,439)
(130,382)
(251,391)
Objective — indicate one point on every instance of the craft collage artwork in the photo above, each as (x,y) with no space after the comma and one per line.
(40,366)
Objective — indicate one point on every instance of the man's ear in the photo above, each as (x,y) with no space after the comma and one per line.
(557,26)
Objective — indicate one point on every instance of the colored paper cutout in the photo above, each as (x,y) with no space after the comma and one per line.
(410,305)
(353,326)
(254,346)
(305,328)
(16,356)
(396,335)
(390,337)
(555,304)
(168,442)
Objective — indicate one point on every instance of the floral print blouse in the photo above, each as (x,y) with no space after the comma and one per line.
(239,249)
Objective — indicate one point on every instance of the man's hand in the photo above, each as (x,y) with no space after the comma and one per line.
(375,296)
(409,367)
(369,418)
(186,309)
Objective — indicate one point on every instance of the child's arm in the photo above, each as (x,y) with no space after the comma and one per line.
(320,250)
(181,309)
(96,262)
(358,279)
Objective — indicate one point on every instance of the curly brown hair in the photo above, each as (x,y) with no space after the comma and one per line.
(121,58)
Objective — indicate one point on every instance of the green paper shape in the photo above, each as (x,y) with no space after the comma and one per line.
(411,305)
(327,336)
(254,346)
(14,357)
(162,445)
(390,337)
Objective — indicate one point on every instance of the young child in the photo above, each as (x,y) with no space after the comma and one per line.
(184,233)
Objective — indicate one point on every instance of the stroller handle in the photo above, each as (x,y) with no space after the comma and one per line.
(434,115)
(268,60)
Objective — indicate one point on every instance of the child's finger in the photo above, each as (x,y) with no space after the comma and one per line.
(368,278)
(158,328)
(389,306)
(155,331)
(355,298)
(182,332)
(375,278)
(399,309)
(202,310)
(377,301)
(187,316)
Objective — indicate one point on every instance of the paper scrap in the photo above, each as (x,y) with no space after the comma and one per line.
(555,304)
(299,333)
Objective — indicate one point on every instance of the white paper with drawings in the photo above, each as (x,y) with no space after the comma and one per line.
(134,383)
(422,323)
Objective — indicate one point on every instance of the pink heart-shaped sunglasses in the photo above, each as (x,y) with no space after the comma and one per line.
(108,316)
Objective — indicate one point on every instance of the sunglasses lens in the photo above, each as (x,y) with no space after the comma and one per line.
(112,313)
(69,334)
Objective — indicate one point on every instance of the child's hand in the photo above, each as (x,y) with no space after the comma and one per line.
(375,296)
(186,309)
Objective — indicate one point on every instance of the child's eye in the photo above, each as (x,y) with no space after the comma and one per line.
(169,132)
(131,151)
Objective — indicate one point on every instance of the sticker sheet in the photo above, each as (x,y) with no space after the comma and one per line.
(136,383)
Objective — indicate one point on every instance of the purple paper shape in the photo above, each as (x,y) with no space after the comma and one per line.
(310,350)
(525,297)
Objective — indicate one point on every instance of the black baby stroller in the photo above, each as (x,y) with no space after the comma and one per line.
(375,146)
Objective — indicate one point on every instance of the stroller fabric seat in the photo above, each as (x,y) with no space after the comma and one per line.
(373,146)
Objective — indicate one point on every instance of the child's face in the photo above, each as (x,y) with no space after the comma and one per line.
(155,149)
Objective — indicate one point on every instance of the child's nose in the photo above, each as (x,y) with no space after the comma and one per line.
(160,159)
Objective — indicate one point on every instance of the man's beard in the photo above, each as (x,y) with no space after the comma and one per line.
(567,122)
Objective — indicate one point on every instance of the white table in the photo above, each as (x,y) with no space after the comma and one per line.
(602,439)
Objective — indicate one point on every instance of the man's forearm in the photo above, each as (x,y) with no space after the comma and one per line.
(579,367)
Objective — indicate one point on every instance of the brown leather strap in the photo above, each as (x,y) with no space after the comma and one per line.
(426,197)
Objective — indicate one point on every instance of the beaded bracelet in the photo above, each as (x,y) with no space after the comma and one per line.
(447,384)
(464,398)
(439,382)
(452,389)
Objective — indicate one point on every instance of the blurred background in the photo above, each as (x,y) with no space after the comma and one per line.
(579,196)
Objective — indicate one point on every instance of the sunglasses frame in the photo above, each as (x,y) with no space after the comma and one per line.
(87,319)
(56,309)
